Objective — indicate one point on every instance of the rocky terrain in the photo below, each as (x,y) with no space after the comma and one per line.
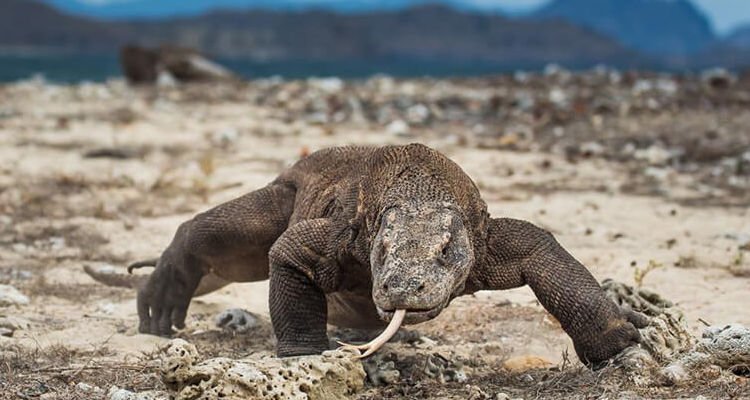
(644,177)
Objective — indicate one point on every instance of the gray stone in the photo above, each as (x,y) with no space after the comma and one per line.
(236,320)
(10,296)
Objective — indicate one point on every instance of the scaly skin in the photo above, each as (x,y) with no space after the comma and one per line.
(348,235)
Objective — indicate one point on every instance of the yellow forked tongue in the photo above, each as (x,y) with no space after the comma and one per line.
(375,344)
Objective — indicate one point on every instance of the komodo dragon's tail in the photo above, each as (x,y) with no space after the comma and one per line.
(140,264)
(112,276)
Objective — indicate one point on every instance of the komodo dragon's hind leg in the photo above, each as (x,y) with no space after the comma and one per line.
(229,242)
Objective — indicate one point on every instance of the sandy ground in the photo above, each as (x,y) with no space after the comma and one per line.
(61,210)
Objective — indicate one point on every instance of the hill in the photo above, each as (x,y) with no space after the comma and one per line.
(27,24)
(425,32)
(653,26)
(422,33)
(740,37)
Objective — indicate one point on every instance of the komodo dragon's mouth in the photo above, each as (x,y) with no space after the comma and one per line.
(375,344)
(396,318)
(413,315)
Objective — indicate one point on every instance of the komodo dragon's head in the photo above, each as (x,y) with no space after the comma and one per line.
(420,260)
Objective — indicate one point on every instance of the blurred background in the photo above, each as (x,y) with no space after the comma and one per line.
(73,40)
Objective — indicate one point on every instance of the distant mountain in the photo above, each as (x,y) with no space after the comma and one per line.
(671,27)
(30,24)
(422,33)
(740,37)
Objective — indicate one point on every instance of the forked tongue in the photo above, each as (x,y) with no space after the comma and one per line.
(375,344)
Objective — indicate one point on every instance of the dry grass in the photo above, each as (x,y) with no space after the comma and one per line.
(56,370)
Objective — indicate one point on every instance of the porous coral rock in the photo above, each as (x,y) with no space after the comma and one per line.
(666,336)
(721,350)
(668,354)
(332,375)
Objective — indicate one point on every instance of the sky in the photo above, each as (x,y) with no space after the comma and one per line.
(724,14)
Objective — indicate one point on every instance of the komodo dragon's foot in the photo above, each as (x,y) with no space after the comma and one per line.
(163,301)
(596,348)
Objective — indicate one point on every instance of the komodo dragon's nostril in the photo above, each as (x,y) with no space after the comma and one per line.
(420,288)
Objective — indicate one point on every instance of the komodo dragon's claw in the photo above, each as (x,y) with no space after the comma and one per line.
(375,344)
(140,264)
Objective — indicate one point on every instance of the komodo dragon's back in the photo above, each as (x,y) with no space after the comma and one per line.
(323,179)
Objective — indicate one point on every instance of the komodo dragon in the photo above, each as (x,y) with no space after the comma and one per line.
(350,235)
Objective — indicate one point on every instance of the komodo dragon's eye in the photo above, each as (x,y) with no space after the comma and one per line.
(445,252)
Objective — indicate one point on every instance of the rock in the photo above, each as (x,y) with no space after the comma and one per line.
(12,324)
(116,393)
(476,393)
(142,65)
(139,64)
(655,155)
(225,138)
(718,78)
(10,296)
(418,114)
(666,336)
(558,97)
(86,388)
(327,85)
(14,274)
(398,128)
(743,240)
(117,153)
(333,375)
(236,320)
(166,80)
(591,149)
(445,369)
(380,371)
(505,396)
(524,363)
(668,354)
(727,347)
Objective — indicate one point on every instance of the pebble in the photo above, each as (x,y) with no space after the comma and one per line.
(525,363)
(505,396)
(398,128)
(85,387)
(115,393)
(236,320)
(10,296)
(14,323)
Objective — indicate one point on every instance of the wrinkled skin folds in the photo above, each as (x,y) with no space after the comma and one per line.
(351,235)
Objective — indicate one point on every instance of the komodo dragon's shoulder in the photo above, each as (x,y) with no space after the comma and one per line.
(331,164)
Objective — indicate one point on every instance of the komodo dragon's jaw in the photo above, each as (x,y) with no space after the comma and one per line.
(420,259)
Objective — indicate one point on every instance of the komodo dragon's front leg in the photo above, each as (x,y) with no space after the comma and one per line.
(303,269)
(520,253)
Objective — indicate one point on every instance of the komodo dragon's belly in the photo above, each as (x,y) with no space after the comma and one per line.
(353,310)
